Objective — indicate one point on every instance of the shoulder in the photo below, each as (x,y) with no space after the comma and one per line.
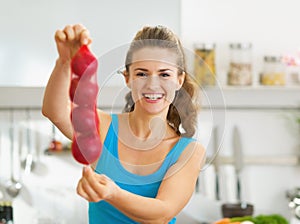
(194,154)
(104,120)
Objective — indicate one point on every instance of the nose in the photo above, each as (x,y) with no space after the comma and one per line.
(153,81)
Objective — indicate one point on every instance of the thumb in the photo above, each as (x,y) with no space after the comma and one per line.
(86,171)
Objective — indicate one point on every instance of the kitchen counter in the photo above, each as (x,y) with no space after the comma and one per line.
(183,218)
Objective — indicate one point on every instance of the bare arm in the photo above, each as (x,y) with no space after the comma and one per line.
(56,103)
(173,195)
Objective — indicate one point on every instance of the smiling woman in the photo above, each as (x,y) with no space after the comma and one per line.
(149,163)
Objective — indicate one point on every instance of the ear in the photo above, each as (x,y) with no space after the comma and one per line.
(181,79)
(126,77)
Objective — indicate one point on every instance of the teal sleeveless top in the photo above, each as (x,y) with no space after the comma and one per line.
(144,185)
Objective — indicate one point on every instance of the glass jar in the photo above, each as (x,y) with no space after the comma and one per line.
(273,71)
(240,67)
(204,64)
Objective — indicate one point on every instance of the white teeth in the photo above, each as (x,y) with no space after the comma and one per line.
(153,96)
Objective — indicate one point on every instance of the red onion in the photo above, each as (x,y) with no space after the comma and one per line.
(84,62)
(86,149)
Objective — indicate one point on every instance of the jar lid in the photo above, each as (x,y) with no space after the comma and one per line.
(240,45)
(6,203)
(204,46)
(272,58)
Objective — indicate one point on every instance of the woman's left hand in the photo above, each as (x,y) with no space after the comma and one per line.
(96,187)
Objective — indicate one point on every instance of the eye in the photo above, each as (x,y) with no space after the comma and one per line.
(165,75)
(141,74)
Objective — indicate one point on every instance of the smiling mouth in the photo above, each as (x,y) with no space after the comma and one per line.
(153,96)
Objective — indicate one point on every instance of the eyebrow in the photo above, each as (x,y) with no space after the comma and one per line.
(160,70)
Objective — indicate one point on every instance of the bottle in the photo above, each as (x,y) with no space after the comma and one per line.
(240,67)
(273,71)
(6,212)
(204,64)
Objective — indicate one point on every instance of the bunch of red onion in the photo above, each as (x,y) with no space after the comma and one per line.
(86,145)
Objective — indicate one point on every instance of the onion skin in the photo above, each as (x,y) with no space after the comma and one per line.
(73,87)
(86,146)
(85,93)
(86,149)
(84,62)
(83,120)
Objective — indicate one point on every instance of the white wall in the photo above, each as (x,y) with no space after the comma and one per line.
(272,27)
(27,48)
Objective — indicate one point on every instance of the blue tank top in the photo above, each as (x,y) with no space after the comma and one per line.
(144,185)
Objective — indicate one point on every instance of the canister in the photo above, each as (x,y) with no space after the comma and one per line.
(204,64)
(273,71)
(240,65)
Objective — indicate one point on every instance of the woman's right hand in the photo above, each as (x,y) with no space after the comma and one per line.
(70,39)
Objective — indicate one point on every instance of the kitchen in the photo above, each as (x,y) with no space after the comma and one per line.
(264,115)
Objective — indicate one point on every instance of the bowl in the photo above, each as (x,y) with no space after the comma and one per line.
(230,210)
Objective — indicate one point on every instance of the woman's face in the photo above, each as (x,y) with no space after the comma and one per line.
(153,79)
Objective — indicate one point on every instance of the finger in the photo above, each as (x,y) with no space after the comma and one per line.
(97,183)
(81,192)
(104,179)
(85,37)
(87,171)
(60,36)
(90,190)
(93,178)
(82,34)
(91,184)
(69,31)
(78,29)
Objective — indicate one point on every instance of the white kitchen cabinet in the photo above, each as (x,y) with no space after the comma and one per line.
(264,116)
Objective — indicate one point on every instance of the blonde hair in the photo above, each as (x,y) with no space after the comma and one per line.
(183,110)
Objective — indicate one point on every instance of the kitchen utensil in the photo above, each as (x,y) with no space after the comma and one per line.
(238,162)
(55,145)
(14,186)
(216,162)
(25,194)
(29,163)
(41,168)
(2,186)
(241,208)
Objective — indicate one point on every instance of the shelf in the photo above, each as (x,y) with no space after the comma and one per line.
(254,97)
(229,97)
(32,97)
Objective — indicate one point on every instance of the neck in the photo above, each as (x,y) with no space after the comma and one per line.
(147,126)
(144,132)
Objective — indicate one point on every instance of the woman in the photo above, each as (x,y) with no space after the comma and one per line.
(150,163)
